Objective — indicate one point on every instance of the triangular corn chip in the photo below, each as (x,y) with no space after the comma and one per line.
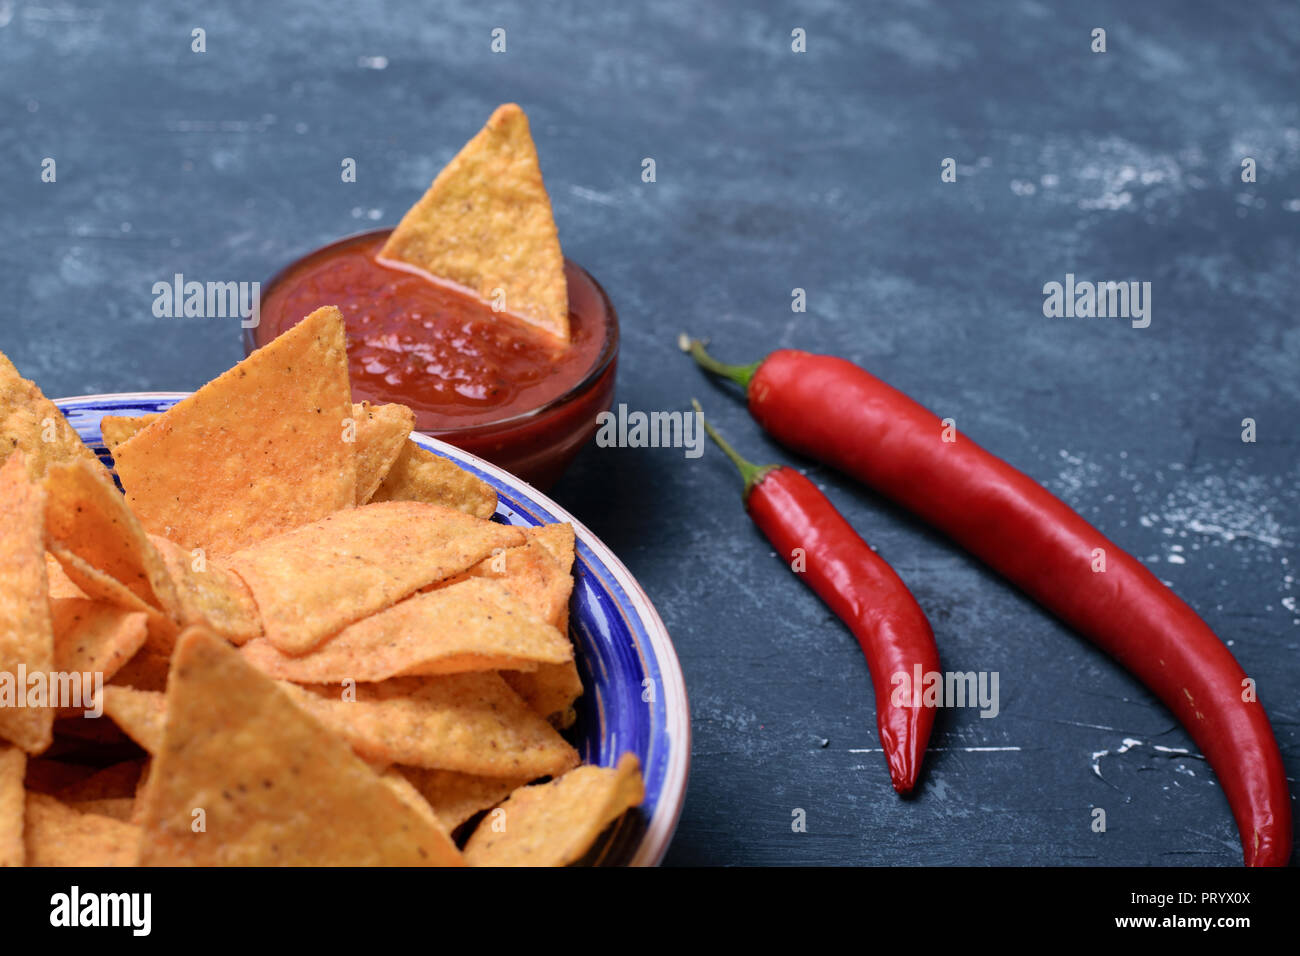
(558,539)
(142,714)
(550,689)
(472,723)
(87,515)
(58,835)
(98,586)
(531,575)
(486,224)
(455,797)
(209,594)
(272,786)
(254,452)
(382,433)
(61,586)
(554,824)
(32,424)
(406,792)
(314,581)
(94,637)
(116,429)
(26,633)
(475,625)
(420,475)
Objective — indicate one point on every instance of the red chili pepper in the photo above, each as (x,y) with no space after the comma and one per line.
(832,410)
(862,590)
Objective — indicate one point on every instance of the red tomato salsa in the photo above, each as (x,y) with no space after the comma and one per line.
(441,351)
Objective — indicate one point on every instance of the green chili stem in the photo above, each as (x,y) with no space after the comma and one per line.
(740,374)
(750,472)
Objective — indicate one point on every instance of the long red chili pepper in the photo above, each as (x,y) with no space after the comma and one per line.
(862,590)
(832,410)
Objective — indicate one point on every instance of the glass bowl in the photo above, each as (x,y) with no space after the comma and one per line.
(537,445)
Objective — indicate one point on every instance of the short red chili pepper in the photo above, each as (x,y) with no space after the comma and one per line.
(863,591)
(835,412)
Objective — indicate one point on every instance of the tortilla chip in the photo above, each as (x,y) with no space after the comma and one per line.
(530,573)
(275,787)
(455,797)
(253,453)
(61,586)
(420,475)
(98,586)
(556,823)
(486,225)
(115,780)
(382,432)
(115,429)
(558,540)
(85,514)
(141,713)
(32,424)
(13,764)
(117,808)
(58,835)
(26,633)
(410,796)
(94,637)
(148,668)
(209,594)
(312,582)
(550,689)
(472,723)
(475,625)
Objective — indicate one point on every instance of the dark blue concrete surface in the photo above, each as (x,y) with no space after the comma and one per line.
(777,170)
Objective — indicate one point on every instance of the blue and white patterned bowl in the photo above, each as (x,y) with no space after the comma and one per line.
(635,696)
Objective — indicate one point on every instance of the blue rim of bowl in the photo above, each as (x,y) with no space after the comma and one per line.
(644,839)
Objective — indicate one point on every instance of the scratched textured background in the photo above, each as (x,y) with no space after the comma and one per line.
(777,170)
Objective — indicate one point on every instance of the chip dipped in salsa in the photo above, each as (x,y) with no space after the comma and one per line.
(481,379)
(467,311)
